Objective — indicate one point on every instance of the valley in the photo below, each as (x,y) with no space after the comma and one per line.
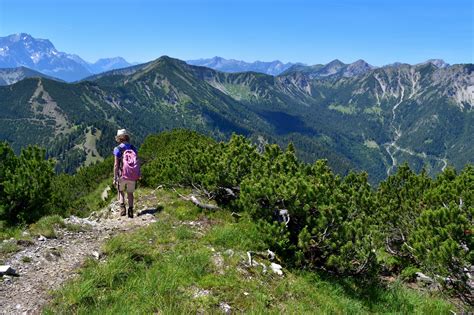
(418,114)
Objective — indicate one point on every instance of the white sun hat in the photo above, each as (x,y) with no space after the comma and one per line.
(122,132)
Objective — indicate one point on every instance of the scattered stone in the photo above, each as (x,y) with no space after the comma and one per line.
(236,215)
(200,293)
(52,255)
(79,221)
(276,268)
(271,255)
(105,193)
(7,270)
(218,261)
(226,308)
(246,293)
(25,233)
(55,261)
(229,252)
(7,279)
(423,278)
(96,255)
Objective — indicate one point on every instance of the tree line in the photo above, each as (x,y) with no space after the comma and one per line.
(312,217)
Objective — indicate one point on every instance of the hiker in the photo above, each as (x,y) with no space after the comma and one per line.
(126,170)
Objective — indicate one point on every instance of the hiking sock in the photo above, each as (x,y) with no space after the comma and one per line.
(130,212)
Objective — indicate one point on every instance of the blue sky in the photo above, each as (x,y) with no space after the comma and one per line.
(378,31)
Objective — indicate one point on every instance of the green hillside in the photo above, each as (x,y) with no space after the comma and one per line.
(376,121)
(345,246)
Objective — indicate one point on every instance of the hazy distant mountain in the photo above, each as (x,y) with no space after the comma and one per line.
(12,75)
(107,64)
(23,50)
(439,63)
(335,68)
(230,65)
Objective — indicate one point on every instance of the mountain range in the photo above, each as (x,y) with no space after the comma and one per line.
(356,117)
(23,50)
(230,65)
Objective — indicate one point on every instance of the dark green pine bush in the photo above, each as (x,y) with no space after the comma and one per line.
(25,184)
(329,225)
(341,225)
(442,240)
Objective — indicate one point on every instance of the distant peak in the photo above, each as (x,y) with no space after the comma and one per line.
(360,62)
(27,38)
(336,62)
(167,59)
(439,63)
(19,36)
(118,58)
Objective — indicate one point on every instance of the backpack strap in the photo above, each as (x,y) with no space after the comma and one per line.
(121,150)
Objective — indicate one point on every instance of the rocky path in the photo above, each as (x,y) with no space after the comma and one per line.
(46,264)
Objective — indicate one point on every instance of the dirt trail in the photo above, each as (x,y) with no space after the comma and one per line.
(51,262)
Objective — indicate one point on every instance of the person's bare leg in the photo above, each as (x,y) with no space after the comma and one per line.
(130,204)
(121,199)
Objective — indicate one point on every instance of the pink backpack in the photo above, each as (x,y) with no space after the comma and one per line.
(130,165)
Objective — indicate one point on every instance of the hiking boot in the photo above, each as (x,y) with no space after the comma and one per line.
(130,212)
(123,210)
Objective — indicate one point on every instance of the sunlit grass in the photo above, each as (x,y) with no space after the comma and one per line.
(174,267)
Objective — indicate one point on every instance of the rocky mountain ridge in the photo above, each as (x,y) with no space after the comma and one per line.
(23,50)
(231,65)
(374,121)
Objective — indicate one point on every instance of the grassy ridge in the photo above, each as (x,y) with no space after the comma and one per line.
(182,264)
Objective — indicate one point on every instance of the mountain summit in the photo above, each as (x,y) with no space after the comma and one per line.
(23,50)
(335,68)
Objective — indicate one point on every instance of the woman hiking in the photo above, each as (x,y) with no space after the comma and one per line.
(126,171)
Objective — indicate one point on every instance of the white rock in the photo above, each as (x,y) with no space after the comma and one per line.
(7,270)
(42,238)
(96,255)
(271,255)
(424,278)
(105,193)
(229,252)
(225,307)
(200,293)
(7,279)
(276,268)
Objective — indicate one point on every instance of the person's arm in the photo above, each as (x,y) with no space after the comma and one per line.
(116,165)
(116,168)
